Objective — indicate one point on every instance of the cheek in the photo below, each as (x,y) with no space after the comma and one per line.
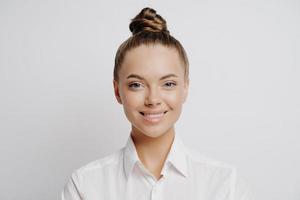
(132,99)
(174,100)
(131,102)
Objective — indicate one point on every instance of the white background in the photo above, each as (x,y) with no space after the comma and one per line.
(58,111)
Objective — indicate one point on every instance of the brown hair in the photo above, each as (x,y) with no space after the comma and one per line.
(148,28)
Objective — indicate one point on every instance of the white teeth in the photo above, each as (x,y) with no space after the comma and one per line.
(153,115)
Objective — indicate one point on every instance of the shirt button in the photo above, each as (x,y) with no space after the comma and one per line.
(154,189)
(154,193)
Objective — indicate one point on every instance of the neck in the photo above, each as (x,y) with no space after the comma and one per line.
(153,151)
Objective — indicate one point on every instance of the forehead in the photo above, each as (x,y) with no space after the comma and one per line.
(154,60)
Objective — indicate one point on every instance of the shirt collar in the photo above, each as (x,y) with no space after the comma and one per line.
(176,156)
(130,156)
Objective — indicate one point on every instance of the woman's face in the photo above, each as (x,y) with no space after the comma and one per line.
(152,89)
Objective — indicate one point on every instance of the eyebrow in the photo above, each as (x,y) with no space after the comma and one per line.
(141,78)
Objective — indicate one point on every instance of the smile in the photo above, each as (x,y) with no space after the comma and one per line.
(153,117)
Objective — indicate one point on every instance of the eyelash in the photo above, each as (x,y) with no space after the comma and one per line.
(132,84)
(136,83)
(174,84)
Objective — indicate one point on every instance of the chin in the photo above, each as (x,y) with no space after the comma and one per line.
(154,133)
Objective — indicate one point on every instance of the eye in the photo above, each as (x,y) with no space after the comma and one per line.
(135,85)
(170,84)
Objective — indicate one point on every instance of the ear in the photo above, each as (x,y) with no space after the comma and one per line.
(186,89)
(116,90)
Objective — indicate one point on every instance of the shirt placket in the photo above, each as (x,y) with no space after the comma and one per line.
(156,191)
(156,186)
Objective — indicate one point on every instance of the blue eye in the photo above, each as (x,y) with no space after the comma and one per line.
(135,85)
(170,84)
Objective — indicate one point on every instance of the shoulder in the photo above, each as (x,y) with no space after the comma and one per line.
(93,175)
(201,160)
(108,162)
(209,170)
(219,174)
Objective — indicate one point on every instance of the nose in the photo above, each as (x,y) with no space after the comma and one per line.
(152,98)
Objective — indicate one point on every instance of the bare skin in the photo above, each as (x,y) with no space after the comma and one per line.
(153,152)
(151,80)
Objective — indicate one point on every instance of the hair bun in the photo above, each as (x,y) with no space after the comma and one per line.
(148,20)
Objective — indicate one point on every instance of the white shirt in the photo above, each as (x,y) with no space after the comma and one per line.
(186,176)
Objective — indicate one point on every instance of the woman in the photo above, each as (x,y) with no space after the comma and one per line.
(151,82)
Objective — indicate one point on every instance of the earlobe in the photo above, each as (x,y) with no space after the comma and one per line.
(186,90)
(116,91)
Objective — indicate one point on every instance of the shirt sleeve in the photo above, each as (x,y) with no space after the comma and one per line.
(242,189)
(71,189)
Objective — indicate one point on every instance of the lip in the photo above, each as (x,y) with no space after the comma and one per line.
(153,117)
(153,112)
